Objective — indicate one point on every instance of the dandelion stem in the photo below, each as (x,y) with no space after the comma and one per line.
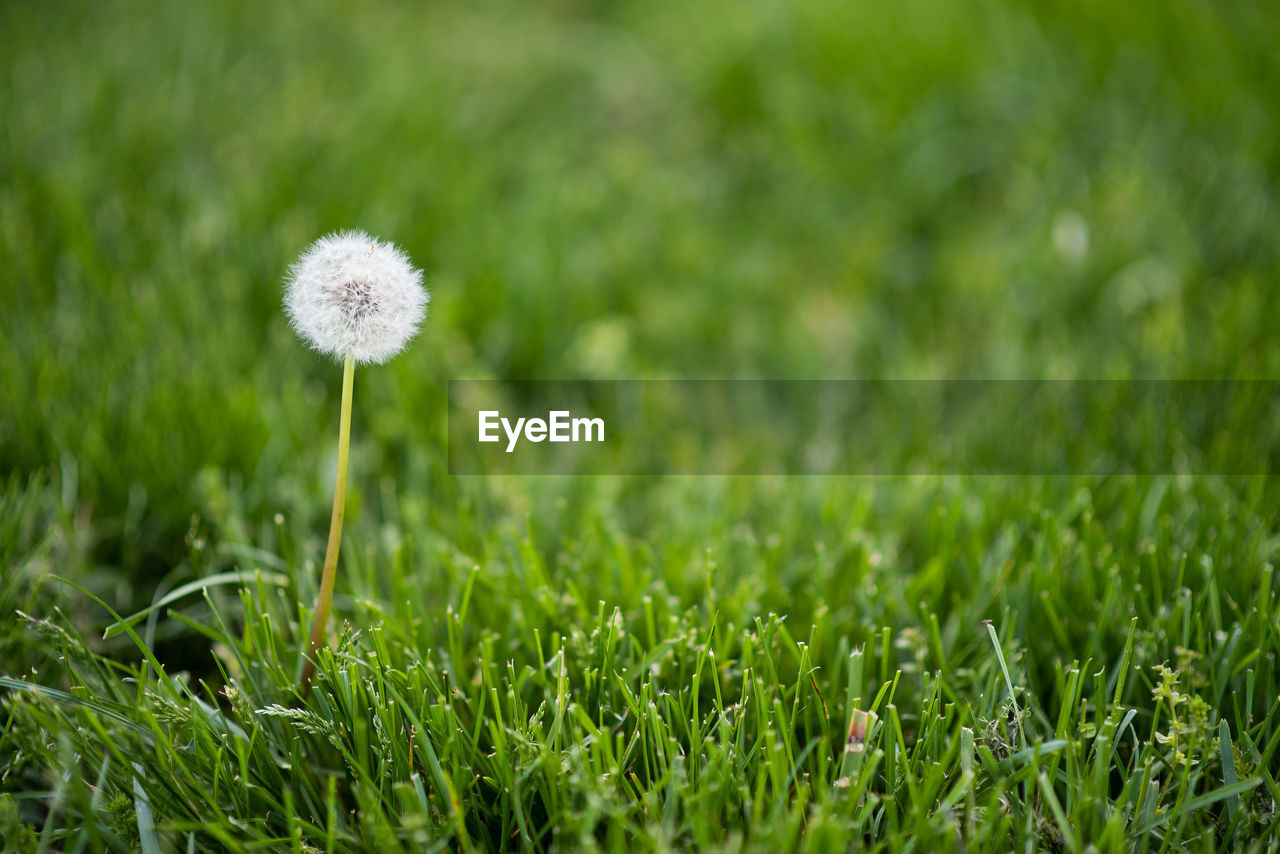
(325,600)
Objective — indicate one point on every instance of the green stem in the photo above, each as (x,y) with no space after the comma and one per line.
(330,574)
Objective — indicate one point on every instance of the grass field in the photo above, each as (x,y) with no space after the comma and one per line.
(628,190)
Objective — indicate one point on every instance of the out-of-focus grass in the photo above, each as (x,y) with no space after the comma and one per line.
(823,190)
(819,189)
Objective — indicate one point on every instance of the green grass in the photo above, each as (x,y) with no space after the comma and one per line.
(615,682)
(650,189)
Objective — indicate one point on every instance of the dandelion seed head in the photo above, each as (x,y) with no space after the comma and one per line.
(352,293)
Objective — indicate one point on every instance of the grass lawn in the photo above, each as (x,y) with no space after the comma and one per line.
(628,190)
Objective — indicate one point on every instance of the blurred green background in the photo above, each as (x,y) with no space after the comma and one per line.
(631,189)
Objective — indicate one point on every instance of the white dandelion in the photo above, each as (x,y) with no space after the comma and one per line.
(360,300)
(353,295)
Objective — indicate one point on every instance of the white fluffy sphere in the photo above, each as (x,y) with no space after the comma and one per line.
(352,293)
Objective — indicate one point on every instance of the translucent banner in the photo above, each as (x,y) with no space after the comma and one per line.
(864,427)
